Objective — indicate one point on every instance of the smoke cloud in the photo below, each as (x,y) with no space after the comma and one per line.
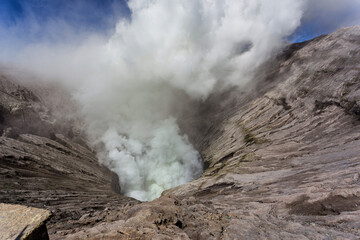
(133,84)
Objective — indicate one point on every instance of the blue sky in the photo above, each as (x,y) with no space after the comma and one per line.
(37,19)
(31,18)
(93,14)
(325,16)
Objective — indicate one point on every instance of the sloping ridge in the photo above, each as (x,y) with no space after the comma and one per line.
(282,158)
(45,163)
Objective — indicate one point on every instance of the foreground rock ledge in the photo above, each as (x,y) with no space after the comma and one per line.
(22,222)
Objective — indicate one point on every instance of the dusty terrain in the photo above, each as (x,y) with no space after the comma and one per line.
(282,159)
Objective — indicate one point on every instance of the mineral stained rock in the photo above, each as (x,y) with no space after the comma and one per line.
(282,159)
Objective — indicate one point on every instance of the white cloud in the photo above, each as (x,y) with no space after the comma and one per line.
(131,84)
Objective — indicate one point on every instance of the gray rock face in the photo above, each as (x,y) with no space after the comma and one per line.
(282,160)
(45,164)
(286,164)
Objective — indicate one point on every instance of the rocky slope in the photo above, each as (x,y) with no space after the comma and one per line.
(45,163)
(282,161)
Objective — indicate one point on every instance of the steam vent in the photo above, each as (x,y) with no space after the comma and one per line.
(281,160)
(181,119)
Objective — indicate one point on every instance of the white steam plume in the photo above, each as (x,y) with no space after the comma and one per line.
(131,85)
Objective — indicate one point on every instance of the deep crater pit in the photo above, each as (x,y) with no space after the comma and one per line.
(148,166)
